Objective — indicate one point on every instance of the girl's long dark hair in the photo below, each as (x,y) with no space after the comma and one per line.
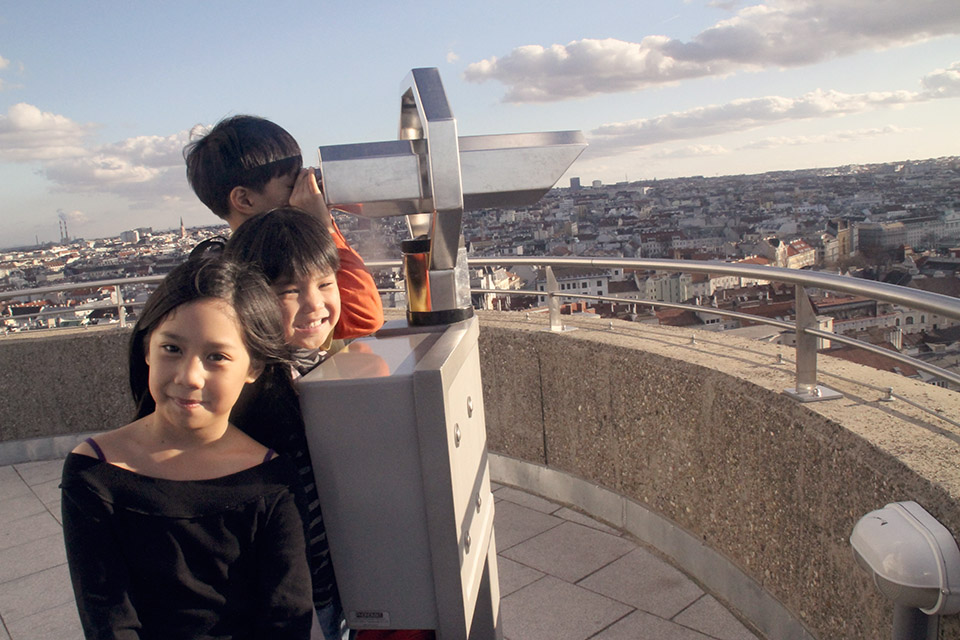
(245,290)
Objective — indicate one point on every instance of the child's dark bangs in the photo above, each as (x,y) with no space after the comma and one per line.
(292,255)
(306,260)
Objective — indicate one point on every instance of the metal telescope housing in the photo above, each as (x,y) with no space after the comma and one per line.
(395,421)
(432,175)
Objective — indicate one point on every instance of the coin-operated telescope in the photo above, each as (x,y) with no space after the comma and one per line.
(395,422)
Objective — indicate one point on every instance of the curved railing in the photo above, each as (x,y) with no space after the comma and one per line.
(116,283)
(804,325)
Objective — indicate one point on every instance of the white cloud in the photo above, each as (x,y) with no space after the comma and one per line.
(583,68)
(73,217)
(693,151)
(779,33)
(745,114)
(943,83)
(27,133)
(4,63)
(774,142)
(722,4)
(452,57)
(142,169)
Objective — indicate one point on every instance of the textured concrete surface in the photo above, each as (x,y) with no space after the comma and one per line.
(63,381)
(36,600)
(702,434)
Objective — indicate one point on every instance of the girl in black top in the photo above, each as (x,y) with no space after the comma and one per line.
(179,525)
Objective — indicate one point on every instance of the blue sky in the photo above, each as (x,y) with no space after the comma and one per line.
(97,98)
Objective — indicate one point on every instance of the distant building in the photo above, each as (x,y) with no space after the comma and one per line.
(130,237)
(874,236)
(575,184)
(591,282)
(800,255)
(667,287)
(840,229)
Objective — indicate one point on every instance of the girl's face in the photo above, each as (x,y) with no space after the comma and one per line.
(311,309)
(198,365)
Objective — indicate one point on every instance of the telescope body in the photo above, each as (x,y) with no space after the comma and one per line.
(395,421)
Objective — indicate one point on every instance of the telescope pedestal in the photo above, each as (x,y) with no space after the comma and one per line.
(396,431)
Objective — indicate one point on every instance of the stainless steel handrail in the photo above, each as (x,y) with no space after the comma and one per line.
(116,283)
(783,324)
(71,286)
(806,379)
(913,298)
(807,387)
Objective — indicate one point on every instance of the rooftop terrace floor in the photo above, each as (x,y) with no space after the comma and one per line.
(563,576)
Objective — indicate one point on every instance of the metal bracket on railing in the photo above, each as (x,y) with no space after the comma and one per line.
(553,303)
(807,389)
(120,309)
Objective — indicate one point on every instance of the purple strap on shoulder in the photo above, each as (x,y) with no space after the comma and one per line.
(96,448)
(270,454)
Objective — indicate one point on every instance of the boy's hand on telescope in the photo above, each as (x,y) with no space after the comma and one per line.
(306,195)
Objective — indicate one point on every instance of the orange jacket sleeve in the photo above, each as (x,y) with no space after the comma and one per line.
(361,312)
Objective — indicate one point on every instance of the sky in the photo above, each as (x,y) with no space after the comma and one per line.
(97,99)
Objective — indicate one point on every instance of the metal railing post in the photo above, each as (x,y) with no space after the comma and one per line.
(553,301)
(807,389)
(806,343)
(120,309)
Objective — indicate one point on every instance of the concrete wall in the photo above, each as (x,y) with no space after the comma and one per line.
(702,435)
(699,434)
(63,381)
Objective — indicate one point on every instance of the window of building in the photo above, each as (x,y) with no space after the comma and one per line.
(599,283)
(909,319)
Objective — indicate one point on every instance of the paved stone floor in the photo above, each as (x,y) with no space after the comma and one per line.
(563,576)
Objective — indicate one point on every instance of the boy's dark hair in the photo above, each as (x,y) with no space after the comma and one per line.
(284,244)
(241,151)
(240,286)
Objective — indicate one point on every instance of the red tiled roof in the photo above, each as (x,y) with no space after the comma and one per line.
(755,260)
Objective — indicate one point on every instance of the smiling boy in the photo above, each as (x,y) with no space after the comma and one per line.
(301,261)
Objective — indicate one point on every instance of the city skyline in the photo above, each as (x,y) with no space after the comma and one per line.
(96,103)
